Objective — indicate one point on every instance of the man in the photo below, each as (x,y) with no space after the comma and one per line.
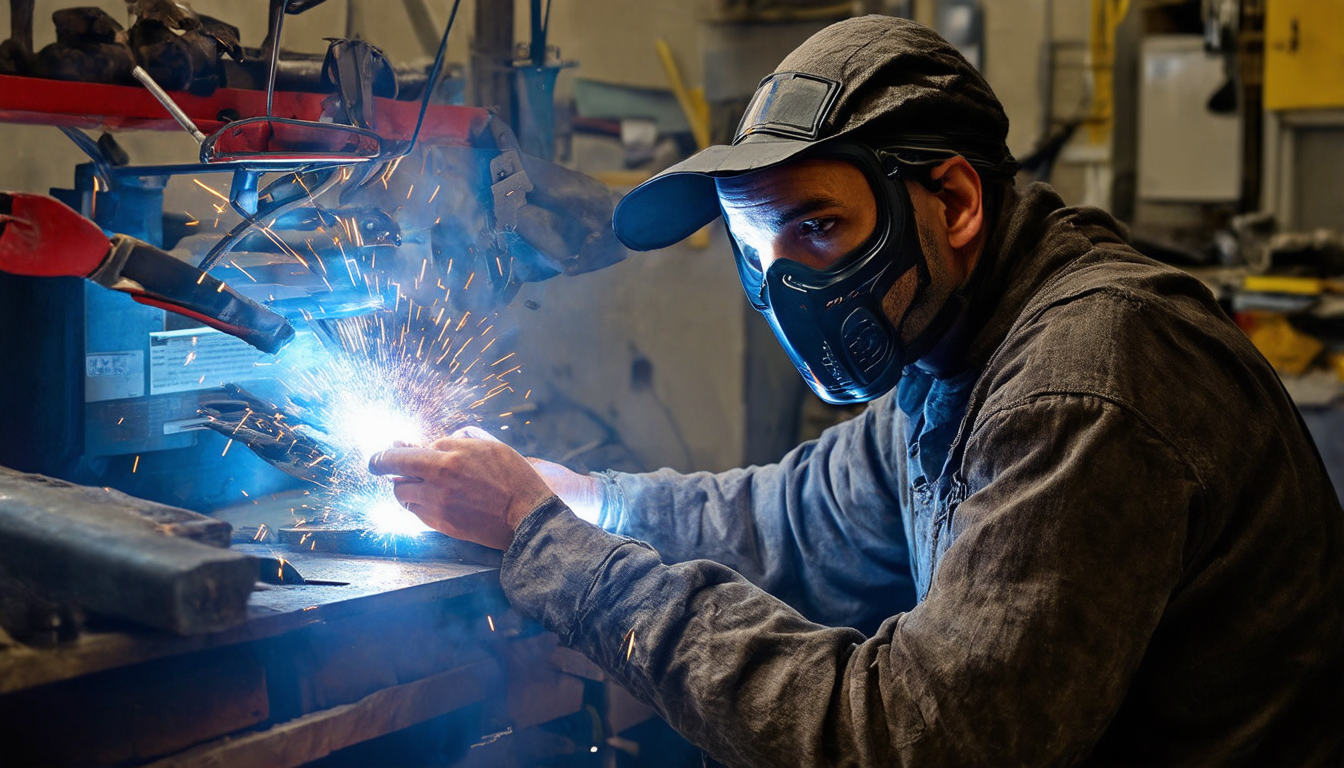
(1122,542)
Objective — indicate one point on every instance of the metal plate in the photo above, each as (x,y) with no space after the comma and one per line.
(429,545)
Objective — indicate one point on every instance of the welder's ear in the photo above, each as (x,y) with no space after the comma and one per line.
(961,200)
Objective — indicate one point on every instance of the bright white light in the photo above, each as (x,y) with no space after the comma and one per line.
(370,427)
(387,516)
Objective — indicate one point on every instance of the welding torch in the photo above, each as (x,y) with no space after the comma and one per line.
(43,237)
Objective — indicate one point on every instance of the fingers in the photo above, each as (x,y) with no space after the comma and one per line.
(409,463)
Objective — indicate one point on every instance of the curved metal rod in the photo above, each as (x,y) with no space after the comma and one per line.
(434,73)
(252,223)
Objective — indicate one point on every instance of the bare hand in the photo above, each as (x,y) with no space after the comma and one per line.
(470,488)
(581,493)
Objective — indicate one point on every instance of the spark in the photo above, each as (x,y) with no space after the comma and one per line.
(226,447)
(119,421)
(379,388)
(434,195)
(210,189)
(491,621)
(234,264)
(136,465)
(190,357)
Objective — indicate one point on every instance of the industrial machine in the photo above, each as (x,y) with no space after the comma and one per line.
(145,352)
(119,399)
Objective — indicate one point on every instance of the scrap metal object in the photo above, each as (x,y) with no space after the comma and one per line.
(16,53)
(278,570)
(279,438)
(118,556)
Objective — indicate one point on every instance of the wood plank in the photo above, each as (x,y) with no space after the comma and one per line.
(374,584)
(310,737)
(134,714)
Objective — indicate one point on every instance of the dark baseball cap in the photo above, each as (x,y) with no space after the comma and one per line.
(882,80)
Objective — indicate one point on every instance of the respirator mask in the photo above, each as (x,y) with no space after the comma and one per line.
(830,321)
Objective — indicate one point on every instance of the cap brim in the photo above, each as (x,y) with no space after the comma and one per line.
(682,199)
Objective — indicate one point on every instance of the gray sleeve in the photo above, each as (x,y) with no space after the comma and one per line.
(1038,615)
(822,529)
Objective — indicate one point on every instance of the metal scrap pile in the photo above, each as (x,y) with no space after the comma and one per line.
(182,50)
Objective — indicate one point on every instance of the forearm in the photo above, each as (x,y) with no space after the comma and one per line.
(821,529)
(1021,653)
(738,672)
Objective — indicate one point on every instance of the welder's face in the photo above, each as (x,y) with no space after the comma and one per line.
(810,211)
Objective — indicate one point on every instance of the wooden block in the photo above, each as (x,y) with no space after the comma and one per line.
(623,710)
(135,713)
(319,734)
(574,663)
(89,547)
(538,692)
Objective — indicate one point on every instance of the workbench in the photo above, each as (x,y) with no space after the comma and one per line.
(383,644)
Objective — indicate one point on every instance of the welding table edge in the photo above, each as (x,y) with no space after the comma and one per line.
(22,667)
(329,730)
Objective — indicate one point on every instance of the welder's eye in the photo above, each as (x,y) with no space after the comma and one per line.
(817,229)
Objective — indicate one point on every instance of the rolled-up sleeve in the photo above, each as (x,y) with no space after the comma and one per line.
(1039,612)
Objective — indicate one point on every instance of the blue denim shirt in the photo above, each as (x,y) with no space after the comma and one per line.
(935,408)
(1131,556)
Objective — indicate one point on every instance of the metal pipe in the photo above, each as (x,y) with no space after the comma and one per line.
(275,53)
(168,104)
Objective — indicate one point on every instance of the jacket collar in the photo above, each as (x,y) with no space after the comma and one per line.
(1036,236)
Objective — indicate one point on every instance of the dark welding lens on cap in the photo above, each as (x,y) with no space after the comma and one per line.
(789,104)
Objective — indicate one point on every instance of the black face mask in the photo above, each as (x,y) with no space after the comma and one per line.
(831,322)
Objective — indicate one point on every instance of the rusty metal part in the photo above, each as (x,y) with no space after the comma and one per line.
(92,548)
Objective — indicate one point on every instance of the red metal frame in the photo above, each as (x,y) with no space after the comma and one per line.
(39,101)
